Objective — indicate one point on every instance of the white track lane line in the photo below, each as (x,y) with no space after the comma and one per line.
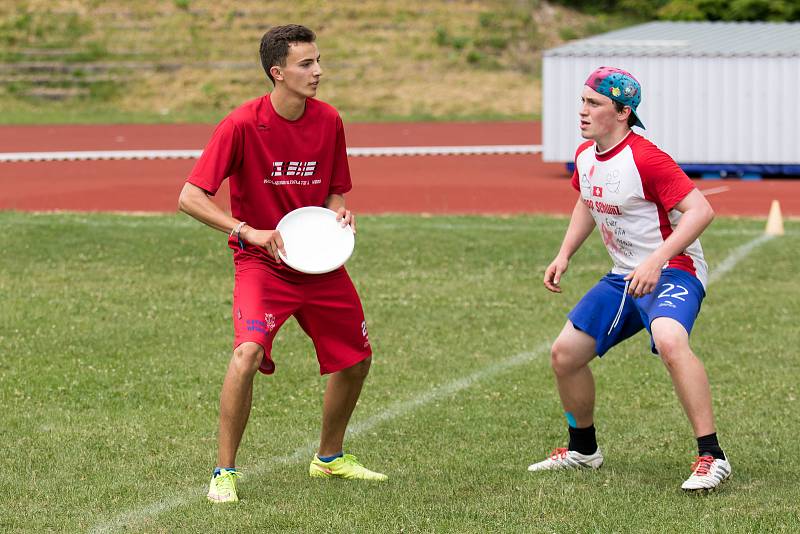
(93,155)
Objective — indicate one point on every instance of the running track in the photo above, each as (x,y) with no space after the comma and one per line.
(493,184)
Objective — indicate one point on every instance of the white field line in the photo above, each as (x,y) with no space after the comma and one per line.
(93,155)
(736,256)
(133,518)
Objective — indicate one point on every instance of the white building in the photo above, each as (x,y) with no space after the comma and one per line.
(717,96)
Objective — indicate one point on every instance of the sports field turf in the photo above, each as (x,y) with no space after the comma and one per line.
(115,333)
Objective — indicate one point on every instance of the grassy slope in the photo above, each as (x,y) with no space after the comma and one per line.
(115,332)
(385,60)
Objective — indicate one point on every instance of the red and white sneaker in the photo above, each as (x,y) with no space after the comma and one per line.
(562,458)
(707,473)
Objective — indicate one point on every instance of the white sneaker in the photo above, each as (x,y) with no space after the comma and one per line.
(707,473)
(562,458)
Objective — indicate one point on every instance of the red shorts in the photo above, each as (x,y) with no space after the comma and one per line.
(326,306)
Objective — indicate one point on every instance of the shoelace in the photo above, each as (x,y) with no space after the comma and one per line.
(559,453)
(702,465)
(226,479)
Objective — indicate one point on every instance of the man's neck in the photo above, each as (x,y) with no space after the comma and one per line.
(611,140)
(288,105)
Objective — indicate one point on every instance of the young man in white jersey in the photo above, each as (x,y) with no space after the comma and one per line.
(282,151)
(650,216)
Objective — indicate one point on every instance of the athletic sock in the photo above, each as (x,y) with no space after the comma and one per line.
(218,469)
(709,446)
(582,440)
(327,459)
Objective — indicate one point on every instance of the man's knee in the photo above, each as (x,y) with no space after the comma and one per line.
(563,358)
(671,341)
(247,357)
(673,353)
(572,350)
(360,370)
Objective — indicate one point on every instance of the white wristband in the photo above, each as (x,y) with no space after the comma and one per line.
(237,229)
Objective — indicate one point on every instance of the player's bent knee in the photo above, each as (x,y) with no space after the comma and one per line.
(247,357)
(562,360)
(672,351)
(359,370)
(572,350)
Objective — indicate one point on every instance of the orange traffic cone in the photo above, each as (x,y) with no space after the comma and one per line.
(774,220)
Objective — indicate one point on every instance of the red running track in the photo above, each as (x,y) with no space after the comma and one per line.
(491,184)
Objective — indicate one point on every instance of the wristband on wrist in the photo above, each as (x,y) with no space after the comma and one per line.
(236,230)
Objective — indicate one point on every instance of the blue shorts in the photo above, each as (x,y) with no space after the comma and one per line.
(677,295)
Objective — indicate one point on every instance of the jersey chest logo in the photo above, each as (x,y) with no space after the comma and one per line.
(599,190)
(293,168)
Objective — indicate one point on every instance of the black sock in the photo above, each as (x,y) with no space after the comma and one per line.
(582,440)
(709,446)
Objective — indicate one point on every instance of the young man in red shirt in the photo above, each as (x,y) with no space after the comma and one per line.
(283,151)
(650,216)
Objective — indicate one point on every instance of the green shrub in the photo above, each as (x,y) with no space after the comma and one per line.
(442,36)
(567,34)
(474,57)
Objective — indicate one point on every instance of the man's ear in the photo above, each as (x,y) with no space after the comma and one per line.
(276,72)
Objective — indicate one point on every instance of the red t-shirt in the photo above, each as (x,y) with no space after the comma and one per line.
(275,165)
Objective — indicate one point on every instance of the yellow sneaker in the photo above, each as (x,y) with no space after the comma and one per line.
(223,486)
(343,467)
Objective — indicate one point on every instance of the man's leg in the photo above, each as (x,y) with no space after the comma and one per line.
(235,400)
(691,385)
(341,395)
(687,372)
(569,357)
(234,409)
(333,318)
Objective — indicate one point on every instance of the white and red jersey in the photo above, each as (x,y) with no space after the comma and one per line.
(631,191)
(275,165)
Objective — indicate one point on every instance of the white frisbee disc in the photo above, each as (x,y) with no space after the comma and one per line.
(315,242)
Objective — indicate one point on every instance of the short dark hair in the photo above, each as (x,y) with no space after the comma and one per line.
(275,44)
(620,108)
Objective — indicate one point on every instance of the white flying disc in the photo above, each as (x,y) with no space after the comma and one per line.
(315,242)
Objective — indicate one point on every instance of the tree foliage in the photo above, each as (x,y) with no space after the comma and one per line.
(723,10)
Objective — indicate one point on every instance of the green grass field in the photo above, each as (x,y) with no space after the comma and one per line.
(115,333)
